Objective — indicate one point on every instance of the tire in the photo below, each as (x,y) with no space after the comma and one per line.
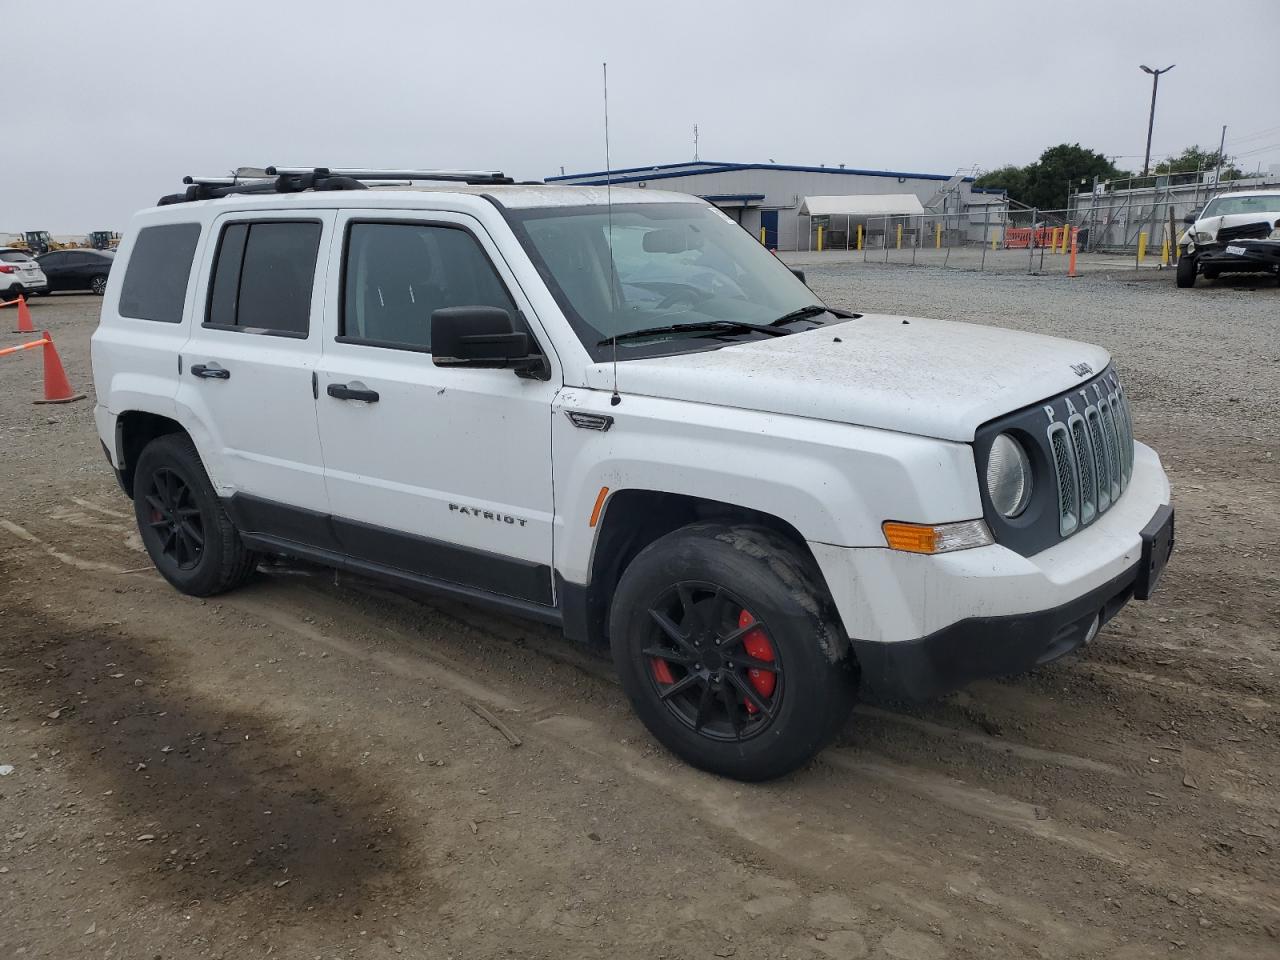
(187,533)
(710,588)
(1186,275)
(98,286)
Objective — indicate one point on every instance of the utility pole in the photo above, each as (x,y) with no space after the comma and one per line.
(695,143)
(1222,145)
(1151,121)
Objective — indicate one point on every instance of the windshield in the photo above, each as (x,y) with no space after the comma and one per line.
(1262,203)
(676,263)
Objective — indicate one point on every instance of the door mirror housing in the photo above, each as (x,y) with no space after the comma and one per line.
(482,337)
(799,274)
(1189,218)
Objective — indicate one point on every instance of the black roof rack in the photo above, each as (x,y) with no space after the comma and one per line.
(251,180)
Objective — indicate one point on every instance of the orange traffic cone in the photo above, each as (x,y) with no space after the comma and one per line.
(24,317)
(57,388)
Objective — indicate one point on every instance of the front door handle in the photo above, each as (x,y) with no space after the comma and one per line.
(342,391)
(211,371)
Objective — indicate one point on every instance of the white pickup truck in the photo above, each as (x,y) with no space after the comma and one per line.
(1236,232)
(616,412)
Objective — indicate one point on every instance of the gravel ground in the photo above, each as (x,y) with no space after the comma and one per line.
(299,768)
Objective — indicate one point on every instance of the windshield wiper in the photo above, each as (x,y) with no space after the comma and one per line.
(801,313)
(700,327)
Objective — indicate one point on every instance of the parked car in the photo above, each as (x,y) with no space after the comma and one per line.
(20,274)
(1236,232)
(616,412)
(77,269)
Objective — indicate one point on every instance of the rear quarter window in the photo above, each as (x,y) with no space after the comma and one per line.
(159,268)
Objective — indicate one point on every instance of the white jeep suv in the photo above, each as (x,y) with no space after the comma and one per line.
(619,414)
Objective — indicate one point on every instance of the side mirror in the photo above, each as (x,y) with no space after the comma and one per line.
(799,274)
(1189,218)
(483,337)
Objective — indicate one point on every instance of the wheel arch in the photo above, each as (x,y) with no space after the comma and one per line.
(134,430)
(633,518)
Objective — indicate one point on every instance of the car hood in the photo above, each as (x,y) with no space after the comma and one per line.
(934,378)
(1211,225)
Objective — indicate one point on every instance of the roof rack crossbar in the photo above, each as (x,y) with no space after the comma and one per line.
(299,179)
(462,176)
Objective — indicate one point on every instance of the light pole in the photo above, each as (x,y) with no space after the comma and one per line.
(1151,122)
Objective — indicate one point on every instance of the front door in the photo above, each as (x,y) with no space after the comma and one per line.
(441,472)
(247,370)
(769,224)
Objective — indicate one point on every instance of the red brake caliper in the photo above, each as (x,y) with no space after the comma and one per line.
(662,671)
(757,645)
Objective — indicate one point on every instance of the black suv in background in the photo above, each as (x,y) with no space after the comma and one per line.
(77,269)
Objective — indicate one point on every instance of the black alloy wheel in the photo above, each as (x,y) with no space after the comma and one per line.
(712,661)
(174,519)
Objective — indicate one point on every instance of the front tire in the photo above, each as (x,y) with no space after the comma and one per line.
(187,533)
(98,286)
(1186,275)
(727,645)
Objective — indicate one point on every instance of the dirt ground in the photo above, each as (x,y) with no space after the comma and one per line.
(307,768)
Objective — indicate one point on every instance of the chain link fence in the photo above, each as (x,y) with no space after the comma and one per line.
(1127,224)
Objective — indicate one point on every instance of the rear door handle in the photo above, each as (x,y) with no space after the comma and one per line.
(211,371)
(342,391)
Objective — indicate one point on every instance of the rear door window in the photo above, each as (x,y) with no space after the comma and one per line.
(155,283)
(263,276)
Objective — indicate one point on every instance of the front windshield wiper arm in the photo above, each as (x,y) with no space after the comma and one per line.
(801,313)
(702,326)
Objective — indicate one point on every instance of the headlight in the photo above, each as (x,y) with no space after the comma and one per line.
(1008,476)
(1202,237)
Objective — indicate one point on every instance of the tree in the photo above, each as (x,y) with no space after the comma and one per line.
(1046,183)
(1193,158)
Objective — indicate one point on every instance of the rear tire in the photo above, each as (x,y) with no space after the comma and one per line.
(728,646)
(1186,275)
(98,286)
(187,533)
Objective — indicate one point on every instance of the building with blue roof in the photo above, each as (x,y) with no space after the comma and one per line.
(771,197)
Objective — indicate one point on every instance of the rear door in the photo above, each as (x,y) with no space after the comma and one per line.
(441,472)
(248,370)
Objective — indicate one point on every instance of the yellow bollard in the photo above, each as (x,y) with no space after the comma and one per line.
(820,229)
(899,236)
(1164,252)
(762,236)
(1142,247)
(859,236)
(937,236)
(993,241)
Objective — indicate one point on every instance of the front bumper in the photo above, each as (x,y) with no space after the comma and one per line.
(1239,255)
(925,624)
(998,646)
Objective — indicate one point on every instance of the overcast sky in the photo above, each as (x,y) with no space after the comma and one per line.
(108,104)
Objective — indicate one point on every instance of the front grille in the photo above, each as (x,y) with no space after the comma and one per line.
(1081,447)
(1092,455)
(1245,231)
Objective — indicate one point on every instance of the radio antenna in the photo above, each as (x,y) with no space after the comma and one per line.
(613,267)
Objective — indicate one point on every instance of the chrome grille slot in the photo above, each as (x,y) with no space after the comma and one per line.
(1098,442)
(1112,440)
(1086,468)
(1126,438)
(1064,466)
